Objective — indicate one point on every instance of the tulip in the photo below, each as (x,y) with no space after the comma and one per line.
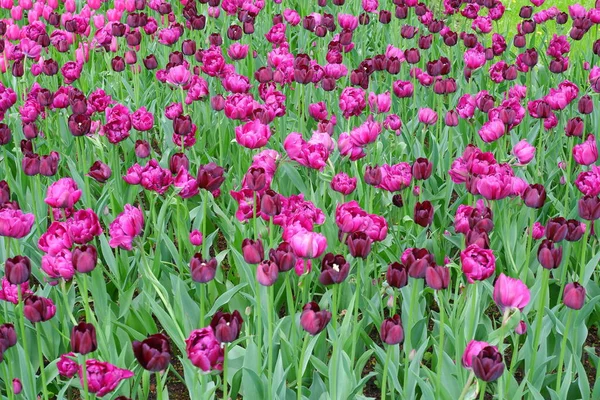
(255,179)
(391,331)
(574,295)
(359,244)
(343,184)
(210,177)
(8,337)
(270,203)
(589,208)
(534,196)
(17,270)
(38,309)
(423,213)
(102,377)
(477,264)
(549,256)
(437,277)
(142,149)
(204,350)
(417,261)
(510,293)
(253,251)
(126,227)
(586,153)
(226,326)
(556,229)
(196,237)
(575,230)
(267,273)
(421,169)
(308,244)
(524,152)
(49,164)
(283,256)
(397,275)
(313,319)
(202,271)
(334,269)
(153,353)
(427,116)
(63,193)
(17,386)
(372,175)
(471,351)
(99,171)
(14,223)
(83,338)
(84,258)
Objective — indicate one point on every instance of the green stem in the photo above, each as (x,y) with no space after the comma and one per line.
(563,349)
(525,267)
(360,267)
(270,311)
(300,364)
(538,324)
(467,386)
(41,357)
(89,316)
(225,395)
(388,354)
(85,385)
(160,385)
(202,295)
(513,361)
(584,244)
(440,357)
(7,380)
(259,327)
(482,392)
(411,320)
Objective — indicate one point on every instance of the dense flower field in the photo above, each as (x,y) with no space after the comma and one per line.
(277,199)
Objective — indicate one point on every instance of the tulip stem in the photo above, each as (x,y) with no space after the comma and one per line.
(359,269)
(160,384)
(202,295)
(41,357)
(259,331)
(467,386)
(525,267)
(538,323)
(84,379)
(408,341)
(482,391)
(7,380)
(299,372)
(85,298)
(563,348)
(584,244)
(22,322)
(225,395)
(388,355)
(270,311)
(440,357)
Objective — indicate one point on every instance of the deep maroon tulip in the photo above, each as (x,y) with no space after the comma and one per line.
(153,353)
(188,47)
(519,41)
(313,320)
(31,164)
(79,124)
(178,161)
(391,331)
(17,270)
(562,18)
(256,179)
(534,196)
(150,62)
(270,203)
(585,105)
(4,192)
(118,64)
(253,251)
(421,169)
(385,16)
(359,244)
(50,67)
(83,338)
(234,32)
(574,127)
(49,164)
(470,40)
(364,19)
(334,269)
(38,309)
(84,258)
(210,177)
(218,102)
(372,175)
(412,56)
(526,12)
(437,277)
(142,149)
(5,134)
(556,229)
(118,29)
(549,256)
(423,213)
(182,125)
(488,365)
(267,273)
(528,26)
(226,326)
(397,200)
(18,69)
(589,208)
(283,256)
(574,296)
(425,42)
(99,171)
(397,275)
(510,73)
(417,260)
(575,230)
(202,270)
(451,119)
(130,57)
(8,337)
(530,57)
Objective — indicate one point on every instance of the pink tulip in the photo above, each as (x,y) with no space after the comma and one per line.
(63,193)
(102,377)
(126,227)
(196,237)
(586,153)
(308,244)
(253,134)
(471,351)
(14,223)
(477,264)
(510,293)
(427,116)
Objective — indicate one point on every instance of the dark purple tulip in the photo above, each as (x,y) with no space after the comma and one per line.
(267,273)
(397,200)
(397,275)
(178,161)
(5,134)
(234,32)
(417,260)
(423,213)
(84,258)
(556,229)
(488,365)
(364,19)
(534,196)
(562,18)
(256,179)
(425,41)
(31,164)
(412,56)
(574,127)
(451,119)
(4,192)
(182,125)
(202,270)
(589,208)
(79,124)
(118,64)
(253,251)
(359,244)
(17,270)
(391,330)
(313,320)
(530,57)
(574,296)
(372,175)
(153,353)
(585,105)
(270,203)
(283,256)
(549,256)
(478,237)
(575,230)
(188,47)
(421,169)
(83,338)
(150,62)
(334,269)
(437,277)
(99,171)
(49,164)
(50,67)
(210,177)
(470,40)
(526,12)
(528,26)
(8,337)
(226,326)
(38,309)
(30,130)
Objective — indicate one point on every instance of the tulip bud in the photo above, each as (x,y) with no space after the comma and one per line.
(391,331)
(313,320)
(202,270)
(589,208)
(8,337)
(253,251)
(437,277)
(142,149)
(534,196)
(99,171)
(397,275)
(549,256)
(226,326)
(283,256)
(270,203)
(423,213)
(334,269)
(17,270)
(153,353)
(83,338)
(574,295)
(372,175)
(17,386)
(359,244)
(84,258)
(488,365)
(556,229)
(267,273)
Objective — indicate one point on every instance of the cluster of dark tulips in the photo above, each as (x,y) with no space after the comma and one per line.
(167,165)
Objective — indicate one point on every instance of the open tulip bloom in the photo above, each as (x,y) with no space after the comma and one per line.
(340,199)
